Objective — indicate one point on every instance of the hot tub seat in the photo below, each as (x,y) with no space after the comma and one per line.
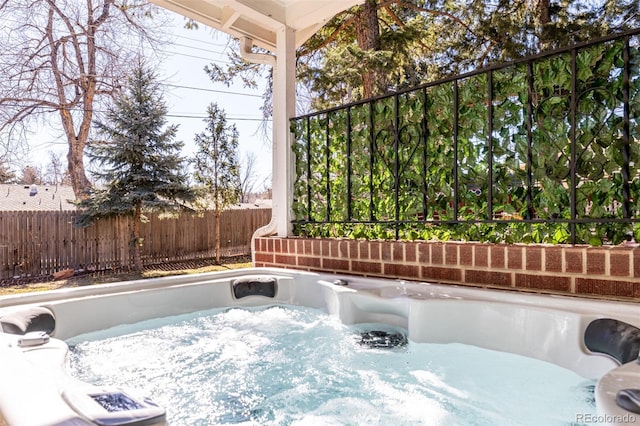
(36,318)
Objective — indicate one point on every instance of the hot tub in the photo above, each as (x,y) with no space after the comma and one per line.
(596,339)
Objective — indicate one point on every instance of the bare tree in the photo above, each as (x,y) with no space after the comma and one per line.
(55,171)
(267,190)
(61,59)
(247,176)
(6,174)
(31,175)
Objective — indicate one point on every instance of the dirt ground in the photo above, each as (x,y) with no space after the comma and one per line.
(30,284)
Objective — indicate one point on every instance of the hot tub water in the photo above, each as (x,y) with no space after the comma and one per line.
(285,365)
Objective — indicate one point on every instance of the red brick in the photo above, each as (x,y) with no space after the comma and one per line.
(363,246)
(401,270)
(497,257)
(553,259)
(481,255)
(317,247)
(488,277)
(619,263)
(437,255)
(374,250)
(514,257)
(534,258)
(573,261)
(343,249)
(441,274)
(636,262)
(410,252)
(299,246)
(424,253)
(277,245)
(353,249)
(607,288)
(543,282)
(285,259)
(334,248)
(397,252)
(366,267)
(264,257)
(451,254)
(308,247)
(309,261)
(595,262)
(325,247)
(335,264)
(466,254)
(270,245)
(385,252)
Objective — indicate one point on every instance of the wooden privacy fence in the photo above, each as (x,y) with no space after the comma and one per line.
(42,242)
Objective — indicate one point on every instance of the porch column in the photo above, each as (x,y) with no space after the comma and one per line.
(284,99)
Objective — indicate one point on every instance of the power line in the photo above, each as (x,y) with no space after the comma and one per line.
(200,41)
(197,48)
(203,117)
(194,56)
(202,89)
(168,52)
(212,90)
(184,115)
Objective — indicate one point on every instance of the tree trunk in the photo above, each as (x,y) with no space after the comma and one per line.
(547,35)
(368,38)
(135,240)
(77,174)
(544,12)
(217,226)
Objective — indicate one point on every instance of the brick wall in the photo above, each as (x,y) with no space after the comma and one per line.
(611,272)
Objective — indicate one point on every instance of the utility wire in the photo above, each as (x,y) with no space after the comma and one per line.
(228,118)
(196,57)
(212,90)
(174,115)
(201,41)
(197,48)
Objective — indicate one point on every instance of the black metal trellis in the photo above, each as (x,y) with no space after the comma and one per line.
(396,129)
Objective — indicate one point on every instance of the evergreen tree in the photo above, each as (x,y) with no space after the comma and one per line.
(382,46)
(216,165)
(139,160)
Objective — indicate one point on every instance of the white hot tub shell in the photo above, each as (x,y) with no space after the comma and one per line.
(545,327)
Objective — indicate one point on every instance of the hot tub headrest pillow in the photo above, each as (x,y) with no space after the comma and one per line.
(255,286)
(37,318)
(614,338)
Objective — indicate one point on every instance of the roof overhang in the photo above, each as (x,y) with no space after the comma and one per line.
(260,19)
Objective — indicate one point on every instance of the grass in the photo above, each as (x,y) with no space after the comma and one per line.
(103,277)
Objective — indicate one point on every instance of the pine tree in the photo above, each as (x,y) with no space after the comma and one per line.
(383,46)
(216,164)
(139,160)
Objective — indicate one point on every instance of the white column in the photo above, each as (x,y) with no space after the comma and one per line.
(284,101)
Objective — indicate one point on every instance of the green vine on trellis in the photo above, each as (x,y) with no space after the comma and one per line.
(522,193)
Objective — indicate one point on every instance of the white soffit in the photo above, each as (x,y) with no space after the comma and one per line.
(260,19)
